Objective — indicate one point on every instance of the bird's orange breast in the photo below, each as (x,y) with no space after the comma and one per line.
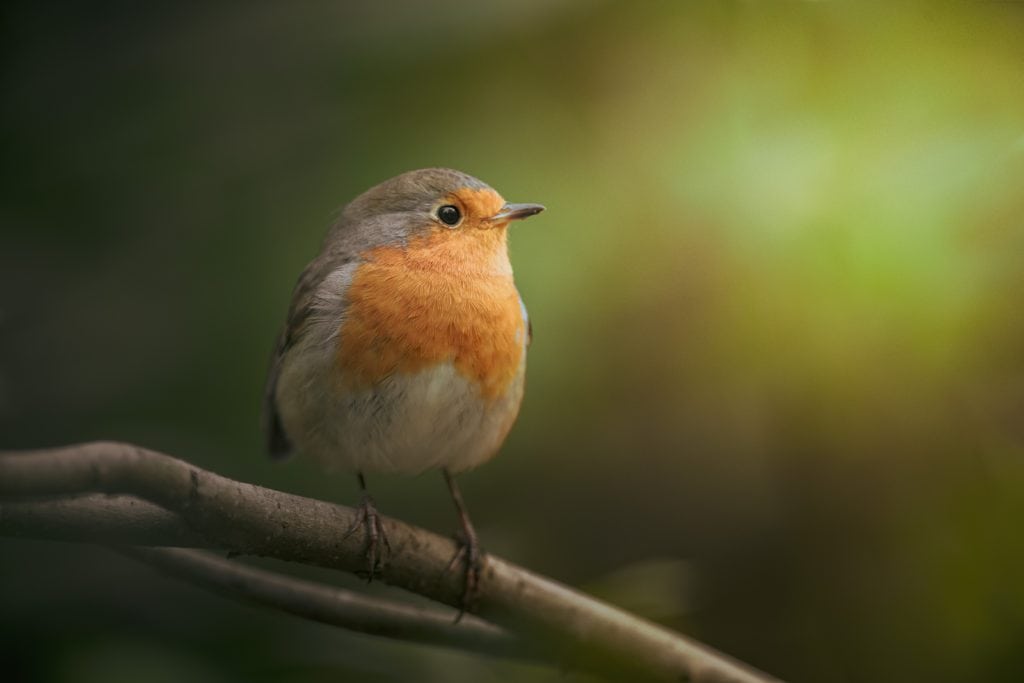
(446,297)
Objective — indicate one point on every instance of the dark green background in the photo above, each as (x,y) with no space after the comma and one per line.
(776,391)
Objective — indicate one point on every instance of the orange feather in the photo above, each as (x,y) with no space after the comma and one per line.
(444,297)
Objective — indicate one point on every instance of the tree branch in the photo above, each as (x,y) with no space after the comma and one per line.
(253,520)
(98,518)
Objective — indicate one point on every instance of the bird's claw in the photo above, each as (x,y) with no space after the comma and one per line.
(376,539)
(470,553)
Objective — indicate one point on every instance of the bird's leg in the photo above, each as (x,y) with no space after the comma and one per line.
(470,550)
(376,539)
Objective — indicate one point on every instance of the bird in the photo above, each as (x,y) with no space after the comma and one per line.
(404,346)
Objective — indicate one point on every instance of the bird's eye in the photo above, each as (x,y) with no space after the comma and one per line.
(449,215)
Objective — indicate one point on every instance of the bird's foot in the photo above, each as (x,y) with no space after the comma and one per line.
(376,539)
(472,557)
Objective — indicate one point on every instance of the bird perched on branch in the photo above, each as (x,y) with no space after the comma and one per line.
(405,344)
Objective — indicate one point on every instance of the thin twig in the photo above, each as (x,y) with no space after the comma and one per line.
(254,520)
(123,522)
(329,605)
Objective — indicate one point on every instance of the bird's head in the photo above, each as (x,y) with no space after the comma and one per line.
(439,207)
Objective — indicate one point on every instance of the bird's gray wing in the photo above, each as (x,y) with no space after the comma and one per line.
(300,312)
(278,445)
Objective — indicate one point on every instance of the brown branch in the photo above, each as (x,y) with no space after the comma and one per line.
(98,518)
(253,520)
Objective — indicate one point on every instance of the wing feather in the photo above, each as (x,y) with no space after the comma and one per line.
(301,312)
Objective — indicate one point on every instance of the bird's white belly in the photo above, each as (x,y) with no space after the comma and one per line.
(404,424)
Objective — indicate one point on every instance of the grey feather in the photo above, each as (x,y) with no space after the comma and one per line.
(300,312)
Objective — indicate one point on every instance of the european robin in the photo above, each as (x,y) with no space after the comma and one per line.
(405,343)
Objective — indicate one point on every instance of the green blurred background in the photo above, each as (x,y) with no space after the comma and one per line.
(776,391)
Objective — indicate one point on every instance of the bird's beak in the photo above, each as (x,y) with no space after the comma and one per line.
(516,212)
